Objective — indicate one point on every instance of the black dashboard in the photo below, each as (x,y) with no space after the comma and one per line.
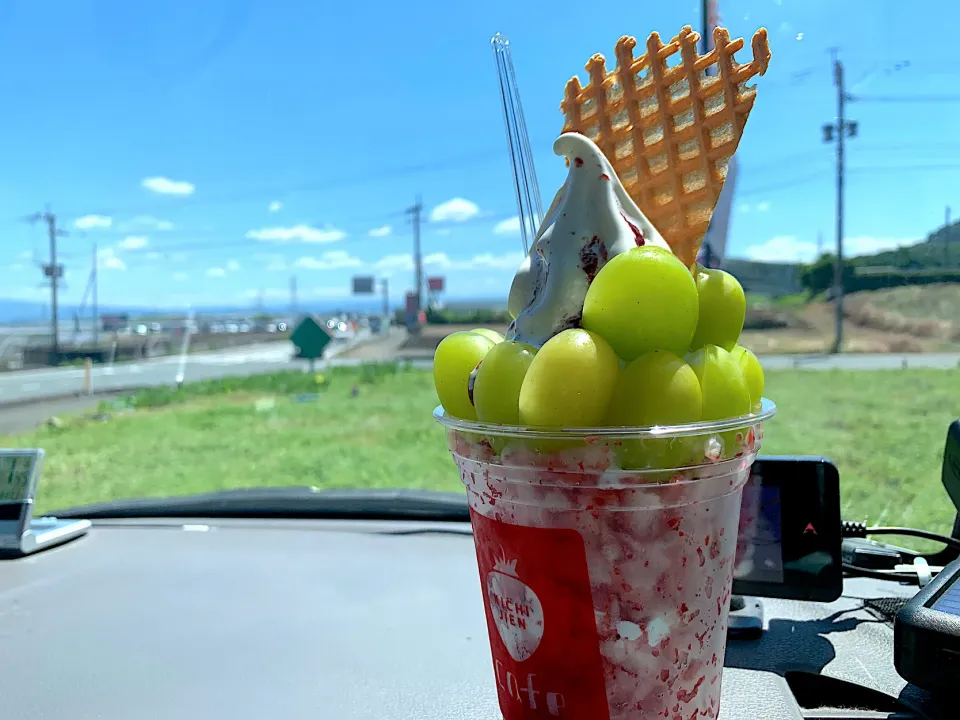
(341,619)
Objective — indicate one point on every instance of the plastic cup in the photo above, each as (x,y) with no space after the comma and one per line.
(606,589)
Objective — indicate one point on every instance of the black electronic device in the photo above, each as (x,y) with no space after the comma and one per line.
(926,634)
(789,540)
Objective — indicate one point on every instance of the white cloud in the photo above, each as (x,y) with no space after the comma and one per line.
(16,266)
(381,231)
(152,222)
(93,222)
(180,276)
(442,261)
(402,261)
(454,210)
(133,242)
(275,206)
(297,233)
(233,266)
(762,206)
(786,248)
(25,255)
(507,261)
(166,186)
(783,248)
(278,264)
(302,293)
(866,245)
(216,272)
(107,260)
(329,261)
(744,207)
(510,226)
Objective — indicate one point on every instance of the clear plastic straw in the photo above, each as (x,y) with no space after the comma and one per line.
(529,207)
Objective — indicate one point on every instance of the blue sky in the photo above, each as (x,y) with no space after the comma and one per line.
(214,149)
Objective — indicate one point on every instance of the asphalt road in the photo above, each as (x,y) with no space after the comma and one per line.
(36,385)
(30,385)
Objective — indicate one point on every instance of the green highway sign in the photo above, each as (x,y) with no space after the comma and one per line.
(310,338)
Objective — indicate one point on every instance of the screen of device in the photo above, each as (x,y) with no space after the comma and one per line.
(18,473)
(788,543)
(949,600)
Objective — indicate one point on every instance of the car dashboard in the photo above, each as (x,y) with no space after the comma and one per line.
(346,619)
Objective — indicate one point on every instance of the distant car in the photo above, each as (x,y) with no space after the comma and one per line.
(232,328)
(376,325)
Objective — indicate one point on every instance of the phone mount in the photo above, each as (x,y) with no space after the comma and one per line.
(21,533)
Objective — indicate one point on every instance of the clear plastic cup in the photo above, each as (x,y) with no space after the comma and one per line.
(606,557)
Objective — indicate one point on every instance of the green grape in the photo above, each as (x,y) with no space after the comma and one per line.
(570,381)
(722,309)
(487,333)
(659,453)
(643,299)
(724,388)
(457,355)
(752,371)
(657,388)
(496,391)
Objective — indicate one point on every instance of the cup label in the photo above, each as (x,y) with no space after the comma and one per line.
(540,618)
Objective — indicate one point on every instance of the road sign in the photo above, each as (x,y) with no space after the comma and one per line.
(362,285)
(310,338)
(435,284)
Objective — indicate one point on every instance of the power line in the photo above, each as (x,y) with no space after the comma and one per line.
(263,194)
(903,98)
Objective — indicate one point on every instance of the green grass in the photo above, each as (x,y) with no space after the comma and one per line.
(885,431)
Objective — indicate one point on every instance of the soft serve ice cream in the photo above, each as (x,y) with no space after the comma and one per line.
(592,219)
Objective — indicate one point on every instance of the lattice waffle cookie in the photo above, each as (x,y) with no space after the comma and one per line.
(669,131)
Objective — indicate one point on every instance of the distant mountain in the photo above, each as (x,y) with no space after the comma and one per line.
(14,312)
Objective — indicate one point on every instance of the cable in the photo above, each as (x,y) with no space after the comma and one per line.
(910,532)
(878,574)
(850,529)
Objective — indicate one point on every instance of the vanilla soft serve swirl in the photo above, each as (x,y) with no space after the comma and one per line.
(591,220)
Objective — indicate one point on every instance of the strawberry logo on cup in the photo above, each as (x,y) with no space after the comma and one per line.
(516,610)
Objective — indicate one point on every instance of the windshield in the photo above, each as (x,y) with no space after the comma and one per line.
(235,233)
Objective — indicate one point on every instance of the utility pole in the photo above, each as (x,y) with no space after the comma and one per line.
(54,271)
(839,131)
(385,288)
(96,308)
(415,212)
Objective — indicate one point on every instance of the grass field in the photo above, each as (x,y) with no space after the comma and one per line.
(371,427)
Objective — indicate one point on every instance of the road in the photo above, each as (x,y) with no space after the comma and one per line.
(36,385)
(30,385)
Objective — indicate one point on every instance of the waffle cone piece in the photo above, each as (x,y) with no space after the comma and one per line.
(669,132)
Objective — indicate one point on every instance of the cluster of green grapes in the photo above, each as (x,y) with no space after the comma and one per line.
(657,346)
